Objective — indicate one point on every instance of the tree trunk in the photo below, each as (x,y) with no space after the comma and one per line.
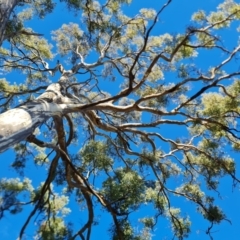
(18,123)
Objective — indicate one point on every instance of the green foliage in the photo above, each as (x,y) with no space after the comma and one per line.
(122,190)
(43,7)
(13,27)
(10,190)
(69,37)
(199,16)
(95,154)
(214,214)
(181,226)
(54,228)
(146,124)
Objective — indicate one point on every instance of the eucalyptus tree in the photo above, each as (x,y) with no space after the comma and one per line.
(120,115)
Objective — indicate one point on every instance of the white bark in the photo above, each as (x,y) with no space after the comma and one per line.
(17,124)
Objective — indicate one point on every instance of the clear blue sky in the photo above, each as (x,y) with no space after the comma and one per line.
(174,19)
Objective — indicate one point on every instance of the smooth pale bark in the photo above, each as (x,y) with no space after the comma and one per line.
(18,123)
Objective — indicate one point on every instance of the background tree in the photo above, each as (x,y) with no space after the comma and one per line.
(103,130)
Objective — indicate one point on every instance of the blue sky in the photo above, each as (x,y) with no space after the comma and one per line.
(173,20)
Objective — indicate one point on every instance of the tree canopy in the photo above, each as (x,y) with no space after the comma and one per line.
(123,120)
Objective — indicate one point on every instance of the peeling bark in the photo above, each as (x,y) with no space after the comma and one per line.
(18,123)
